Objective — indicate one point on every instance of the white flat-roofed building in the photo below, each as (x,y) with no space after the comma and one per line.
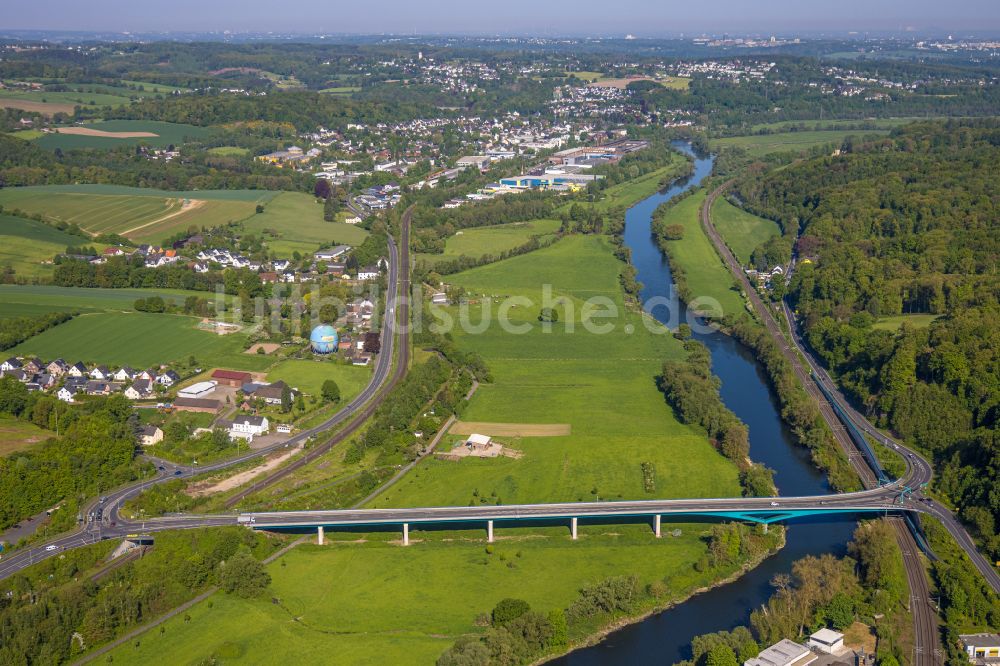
(827,640)
(199,390)
(783,653)
(982,648)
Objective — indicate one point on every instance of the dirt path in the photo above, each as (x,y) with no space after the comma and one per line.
(194,204)
(237,480)
(511,429)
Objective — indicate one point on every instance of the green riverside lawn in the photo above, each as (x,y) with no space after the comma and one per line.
(705,273)
(480,241)
(603,386)
(742,231)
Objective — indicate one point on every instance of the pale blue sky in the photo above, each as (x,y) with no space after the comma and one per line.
(641,17)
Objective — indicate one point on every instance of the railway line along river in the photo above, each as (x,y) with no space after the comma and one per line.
(665,637)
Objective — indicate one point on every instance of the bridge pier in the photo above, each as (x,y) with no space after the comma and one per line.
(656,526)
(572,527)
(765,528)
(319,535)
(406,534)
(489,531)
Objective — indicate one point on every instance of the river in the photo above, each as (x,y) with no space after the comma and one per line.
(665,638)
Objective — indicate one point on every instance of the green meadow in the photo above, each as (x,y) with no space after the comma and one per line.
(742,231)
(705,273)
(28,246)
(892,323)
(17,435)
(759,145)
(375,603)
(479,241)
(602,384)
(138,339)
(308,376)
(293,221)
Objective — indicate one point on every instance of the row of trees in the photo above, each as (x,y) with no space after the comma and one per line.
(15,330)
(693,391)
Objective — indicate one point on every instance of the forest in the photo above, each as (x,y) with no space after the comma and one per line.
(908,224)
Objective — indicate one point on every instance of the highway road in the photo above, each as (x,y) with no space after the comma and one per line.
(109,523)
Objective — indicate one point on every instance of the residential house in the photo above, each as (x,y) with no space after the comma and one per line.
(150,435)
(78,369)
(97,387)
(101,372)
(271,393)
(65,394)
(248,427)
(139,390)
(10,364)
(57,368)
(124,374)
(369,273)
(149,374)
(33,365)
(168,378)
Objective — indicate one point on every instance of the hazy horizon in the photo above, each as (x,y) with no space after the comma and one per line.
(643,18)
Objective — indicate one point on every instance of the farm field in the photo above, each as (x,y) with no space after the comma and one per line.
(18,435)
(138,339)
(384,595)
(477,241)
(893,323)
(166,134)
(141,215)
(45,108)
(694,254)
(293,221)
(764,144)
(309,376)
(20,300)
(26,244)
(742,231)
(78,97)
(602,385)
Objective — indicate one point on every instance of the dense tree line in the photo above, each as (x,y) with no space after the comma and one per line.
(433,226)
(693,392)
(908,225)
(822,592)
(53,613)
(94,450)
(15,330)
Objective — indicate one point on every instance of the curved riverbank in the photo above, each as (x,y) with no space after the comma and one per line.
(665,636)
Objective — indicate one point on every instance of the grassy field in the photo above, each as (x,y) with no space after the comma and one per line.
(742,231)
(372,603)
(294,221)
(137,339)
(78,97)
(764,144)
(676,82)
(166,134)
(603,385)
(26,244)
(308,376)
(143,215)
(19,435)
(586,76)
(705,272)
(342,90)
(20,300)
(894,322)
(229,151)
(478,241)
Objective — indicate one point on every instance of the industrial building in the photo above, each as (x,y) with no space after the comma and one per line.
(783,653)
